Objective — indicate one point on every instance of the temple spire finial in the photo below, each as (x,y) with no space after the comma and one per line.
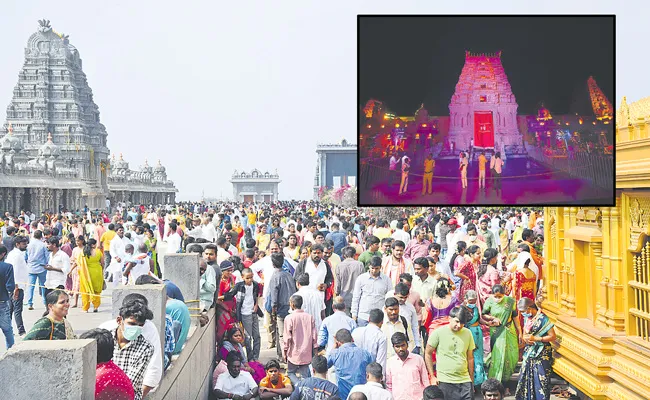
(121,159)
(49,137)
(10,129)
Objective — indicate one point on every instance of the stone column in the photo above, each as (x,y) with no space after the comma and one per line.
(156,296)
(41,199)
(3,205)
(57,202)
(183,270)
(77,200)
(19,198)
(10,199)
(65,370)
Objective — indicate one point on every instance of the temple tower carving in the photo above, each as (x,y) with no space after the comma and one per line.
(483,109)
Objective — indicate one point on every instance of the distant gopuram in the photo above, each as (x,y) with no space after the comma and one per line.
(483,108)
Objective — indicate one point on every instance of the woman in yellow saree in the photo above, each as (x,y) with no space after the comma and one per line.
(91,277)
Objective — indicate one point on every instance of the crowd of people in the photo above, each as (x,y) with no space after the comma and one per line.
(352,303)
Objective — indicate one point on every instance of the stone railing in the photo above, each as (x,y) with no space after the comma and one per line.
(190,375)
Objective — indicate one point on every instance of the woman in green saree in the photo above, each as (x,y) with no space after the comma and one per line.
(505,335)
(53,325)
(474,326)
(535,376)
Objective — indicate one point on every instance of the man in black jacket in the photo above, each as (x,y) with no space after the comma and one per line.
(282,288)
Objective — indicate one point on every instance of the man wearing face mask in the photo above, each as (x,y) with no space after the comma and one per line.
(132,352)
(148,373)
(472,238)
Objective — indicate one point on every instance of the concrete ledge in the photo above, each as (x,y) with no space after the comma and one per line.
(49,369)
(190,374)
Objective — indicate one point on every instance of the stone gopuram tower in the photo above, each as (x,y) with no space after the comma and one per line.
(52,96)
(483,110)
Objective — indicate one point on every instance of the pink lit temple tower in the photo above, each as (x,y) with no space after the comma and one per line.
(483,107)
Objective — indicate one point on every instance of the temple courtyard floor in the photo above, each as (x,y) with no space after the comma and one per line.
(522,183)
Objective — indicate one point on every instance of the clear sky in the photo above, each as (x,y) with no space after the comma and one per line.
(213,86)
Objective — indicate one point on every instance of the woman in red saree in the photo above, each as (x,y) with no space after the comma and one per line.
(226,307)
(467,271)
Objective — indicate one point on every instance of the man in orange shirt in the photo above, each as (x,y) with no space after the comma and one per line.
(275,384)
(481,169)
(429,164)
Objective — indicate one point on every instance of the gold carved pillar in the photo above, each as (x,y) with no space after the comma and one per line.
(601,292)
(607,253)
(563,266)
(616,308)
(569,266)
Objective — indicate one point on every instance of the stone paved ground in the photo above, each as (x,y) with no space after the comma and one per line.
(82,322)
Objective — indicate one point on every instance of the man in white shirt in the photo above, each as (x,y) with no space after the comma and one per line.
(57,267)
(173,240)
(400,234)
(407,311)
(312,301)
(16,258)
(197,230)
(222,253)
(118,254)
(453,237)
(235,384)
(138,265)
(209,231)
(154,370)
(373,389)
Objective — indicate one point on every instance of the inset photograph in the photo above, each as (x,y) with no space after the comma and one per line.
(486,110)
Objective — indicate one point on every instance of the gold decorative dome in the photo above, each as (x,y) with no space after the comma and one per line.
(628,113)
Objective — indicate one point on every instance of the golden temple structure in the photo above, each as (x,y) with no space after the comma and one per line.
(597,268)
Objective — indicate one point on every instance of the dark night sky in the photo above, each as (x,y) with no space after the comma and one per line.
(405,61)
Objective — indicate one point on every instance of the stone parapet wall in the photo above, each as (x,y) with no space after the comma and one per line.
(190,375)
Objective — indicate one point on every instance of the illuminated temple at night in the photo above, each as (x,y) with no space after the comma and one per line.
(483,118)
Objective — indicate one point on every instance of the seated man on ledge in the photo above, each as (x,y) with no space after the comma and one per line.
(235,384)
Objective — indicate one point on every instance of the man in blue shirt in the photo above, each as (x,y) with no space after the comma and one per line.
(37,258)
(7,289)
(332,324)
(339,238)
(315,387)
(350,362)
